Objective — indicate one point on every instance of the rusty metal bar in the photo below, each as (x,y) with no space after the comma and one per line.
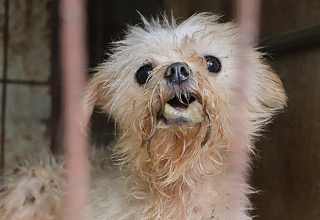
(248,21)
(74,64)
(4,82)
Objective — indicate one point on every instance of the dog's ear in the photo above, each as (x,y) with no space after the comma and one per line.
(95,94)
(269,94)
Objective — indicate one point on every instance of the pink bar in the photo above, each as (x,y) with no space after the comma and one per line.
(248,21)
(74,65)
(248,17)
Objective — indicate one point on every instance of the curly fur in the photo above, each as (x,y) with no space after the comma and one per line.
(174,171)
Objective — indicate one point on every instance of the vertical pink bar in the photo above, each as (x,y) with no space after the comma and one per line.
(74,65)
(239,154)
(248,17)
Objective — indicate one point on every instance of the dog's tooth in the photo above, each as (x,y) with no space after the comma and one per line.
(169,112)
(193,114)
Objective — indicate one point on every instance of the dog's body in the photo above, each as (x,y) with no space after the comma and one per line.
(171,90)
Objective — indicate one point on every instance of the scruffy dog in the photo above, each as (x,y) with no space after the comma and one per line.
(171,89)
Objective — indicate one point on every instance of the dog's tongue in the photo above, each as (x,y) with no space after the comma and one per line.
(179,112)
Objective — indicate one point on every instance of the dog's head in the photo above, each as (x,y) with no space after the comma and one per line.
(171,87)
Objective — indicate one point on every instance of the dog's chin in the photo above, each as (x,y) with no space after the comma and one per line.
(186,112)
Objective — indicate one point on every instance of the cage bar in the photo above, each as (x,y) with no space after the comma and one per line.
(74,64)
(248,22)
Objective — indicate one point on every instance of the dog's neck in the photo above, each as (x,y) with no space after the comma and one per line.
(173,166)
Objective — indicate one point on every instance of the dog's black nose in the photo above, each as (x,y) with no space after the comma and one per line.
(177,73)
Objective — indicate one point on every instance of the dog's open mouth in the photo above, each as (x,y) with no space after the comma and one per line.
(182,103)
(183,110)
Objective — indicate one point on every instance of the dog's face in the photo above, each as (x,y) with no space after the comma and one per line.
(170,89)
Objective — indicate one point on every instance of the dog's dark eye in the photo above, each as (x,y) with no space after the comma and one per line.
(213,64)
(143,74)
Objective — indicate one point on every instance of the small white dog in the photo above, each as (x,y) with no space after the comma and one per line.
(171,90)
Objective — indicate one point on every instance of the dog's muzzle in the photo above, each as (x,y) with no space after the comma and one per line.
(183,108)
(177,73)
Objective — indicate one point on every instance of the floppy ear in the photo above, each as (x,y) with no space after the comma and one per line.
(95,94)
(272,92)
(269,94)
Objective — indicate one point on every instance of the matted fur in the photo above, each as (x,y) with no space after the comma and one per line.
(177,171)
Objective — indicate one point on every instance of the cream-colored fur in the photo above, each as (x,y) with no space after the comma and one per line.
(169,163)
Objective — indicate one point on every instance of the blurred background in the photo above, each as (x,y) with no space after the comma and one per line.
(287,169)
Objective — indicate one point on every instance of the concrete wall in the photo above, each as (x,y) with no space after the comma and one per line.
(28,83)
